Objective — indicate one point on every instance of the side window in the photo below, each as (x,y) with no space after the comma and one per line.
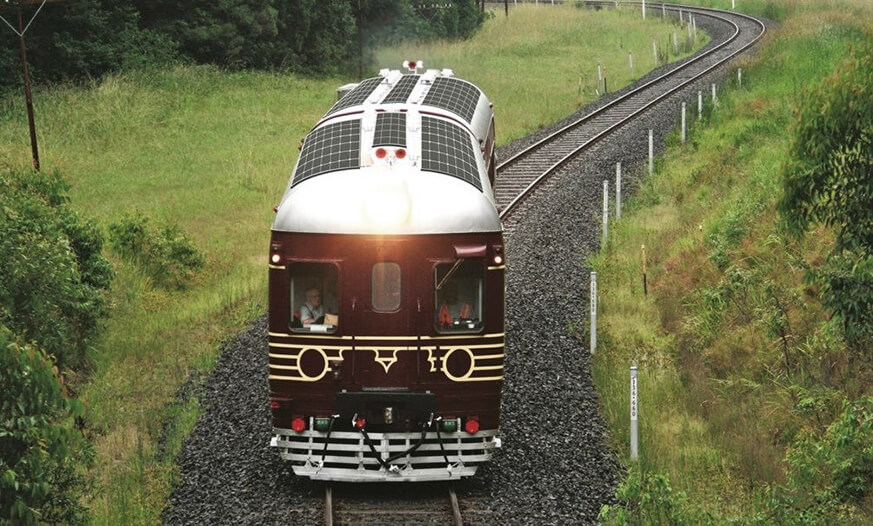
(314,297)
(385,286)
(459,292)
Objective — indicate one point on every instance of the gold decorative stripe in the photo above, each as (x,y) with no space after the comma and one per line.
(488,367)
(465,337)
(483,346)
(484,379)
(308,336)
(286,367)
(304,346)
(490,356)
(276,267)
(410,338)
(501,267)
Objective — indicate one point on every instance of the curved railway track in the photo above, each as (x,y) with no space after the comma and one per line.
(526,171)
(229,476)
(518,178)
(431,504)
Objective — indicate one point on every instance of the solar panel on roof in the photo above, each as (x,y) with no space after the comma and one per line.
(390,130)
(401,91)
(446,148)
(454,95)
(328,149)
(357,95)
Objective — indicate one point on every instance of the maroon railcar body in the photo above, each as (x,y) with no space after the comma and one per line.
(394,381)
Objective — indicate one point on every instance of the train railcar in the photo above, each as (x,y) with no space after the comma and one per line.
(386,286)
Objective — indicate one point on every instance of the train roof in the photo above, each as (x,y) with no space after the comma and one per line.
(400,153)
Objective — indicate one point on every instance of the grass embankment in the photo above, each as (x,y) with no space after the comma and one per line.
(211,152)
(739,363)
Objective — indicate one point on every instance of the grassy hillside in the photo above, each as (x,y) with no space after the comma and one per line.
(211,151)
(753,407)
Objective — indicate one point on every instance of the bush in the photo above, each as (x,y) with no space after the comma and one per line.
(828,181)
(647,499)
(829,473)
(164,253)
(54,276)
(40,455)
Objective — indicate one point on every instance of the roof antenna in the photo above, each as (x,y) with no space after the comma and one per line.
(413,65)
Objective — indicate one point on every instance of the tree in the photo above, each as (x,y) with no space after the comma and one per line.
(829,180)
(40,453)
(54,276)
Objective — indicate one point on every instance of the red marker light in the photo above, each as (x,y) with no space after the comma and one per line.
(412,64)
(400,153)
(381,153)
(274,404)
(471,426)
(298,424)
(360,423)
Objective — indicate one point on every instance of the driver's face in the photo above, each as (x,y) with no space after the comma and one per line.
(314,299)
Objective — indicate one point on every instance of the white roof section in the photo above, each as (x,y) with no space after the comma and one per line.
(424,174)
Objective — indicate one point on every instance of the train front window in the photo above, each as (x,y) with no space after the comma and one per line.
(314,297)
(459,297)
(385,285)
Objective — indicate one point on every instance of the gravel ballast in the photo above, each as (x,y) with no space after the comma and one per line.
(556,465)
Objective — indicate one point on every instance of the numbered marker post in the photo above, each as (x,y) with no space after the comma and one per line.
(593,308)
(634,414)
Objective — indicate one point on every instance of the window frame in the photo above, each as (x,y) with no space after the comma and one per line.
(479,308)
(295,307)
(399,282)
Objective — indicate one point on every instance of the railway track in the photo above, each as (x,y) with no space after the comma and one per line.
(382,504)
(519,177)
(530,169)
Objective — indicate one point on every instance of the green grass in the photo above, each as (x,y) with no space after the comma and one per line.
(211,151)
(562,46)
(730,336)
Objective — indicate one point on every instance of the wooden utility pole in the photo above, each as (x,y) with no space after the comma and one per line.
(27,93)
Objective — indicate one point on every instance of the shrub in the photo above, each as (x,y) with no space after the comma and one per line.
(40,454)
(54,277)
(828,473)
(828,181)
(165,253)
(647,498)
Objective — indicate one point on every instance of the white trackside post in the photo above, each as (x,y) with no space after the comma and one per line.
(655,50)
(740,77)
(714,99)
(593,340)
(683,123)
(605,212)
(644,9)
(634,415)
(600,77)
(651,153)
(630,59)
(699,104)
(618,190)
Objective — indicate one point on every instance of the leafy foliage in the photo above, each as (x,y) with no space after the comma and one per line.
(87,38)
(829,180)
(54,276)
(81,38)
(828,472)
(39,453)
(165,253)
(647,498)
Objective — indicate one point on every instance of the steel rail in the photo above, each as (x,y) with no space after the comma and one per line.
(456,508)
(543,143)
(328,505)
(381,511)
